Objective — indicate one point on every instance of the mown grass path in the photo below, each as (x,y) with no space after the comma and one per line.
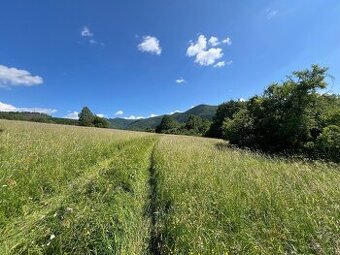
(154,244)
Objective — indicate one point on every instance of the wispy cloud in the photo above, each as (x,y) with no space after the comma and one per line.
(132,117)
(72,115)
(100,115)
(223,63)
(176,111)
(86,32)
(11,108)
(119,113)
(181,80)
(150,44)
(205,51)
(89,35)
(270,13)
(227,41)
(11,76)
(152,115)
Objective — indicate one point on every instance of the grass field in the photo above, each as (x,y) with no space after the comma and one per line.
(73,190)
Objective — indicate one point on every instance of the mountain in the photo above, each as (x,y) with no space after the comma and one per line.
(203,111)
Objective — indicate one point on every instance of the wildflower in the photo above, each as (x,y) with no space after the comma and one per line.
(52,237)
(69,209)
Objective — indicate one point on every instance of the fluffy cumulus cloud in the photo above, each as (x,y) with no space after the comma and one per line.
(213,41)
(72,115)
(11,76)
(180,80)
(11,108)
(119,113)
(151,45)
(205,51)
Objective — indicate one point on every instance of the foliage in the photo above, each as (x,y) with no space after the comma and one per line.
(194,125)
(329,142)
(101,122)
(86,117)
(167,123)
(239,128)
(288,117)
(225,110)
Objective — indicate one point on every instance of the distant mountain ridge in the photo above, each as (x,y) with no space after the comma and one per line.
(202,110)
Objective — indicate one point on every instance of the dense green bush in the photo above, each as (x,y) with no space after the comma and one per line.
(329,142)
(289,117)
(195,126)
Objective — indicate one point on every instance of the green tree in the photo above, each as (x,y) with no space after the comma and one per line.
(239,129)
(225,110)
(86,117)
(101,122)
(329,142)
(167,124)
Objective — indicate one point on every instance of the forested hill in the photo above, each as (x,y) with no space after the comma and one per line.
(204,111)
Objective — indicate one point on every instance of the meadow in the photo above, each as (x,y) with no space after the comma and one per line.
(77,190)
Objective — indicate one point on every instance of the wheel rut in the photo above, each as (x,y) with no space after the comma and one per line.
(155,237)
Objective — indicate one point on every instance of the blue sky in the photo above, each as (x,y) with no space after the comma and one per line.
(137,58)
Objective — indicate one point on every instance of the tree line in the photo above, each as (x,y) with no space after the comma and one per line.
(293,116)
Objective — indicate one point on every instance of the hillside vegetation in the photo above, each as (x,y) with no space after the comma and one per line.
(78,190)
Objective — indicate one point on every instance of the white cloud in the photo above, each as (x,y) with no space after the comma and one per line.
(199,46)
(151,45)
(86,32)
(11,76)
(241,99)
(11,108)
(72,115)
(227,41)
(152,115)
(176,111)
(223,63)
(213,41)
(204,55)
(270,13)
(119,113)
(100,115)
(181,80)
(220,64)
(209,57)
(132,117)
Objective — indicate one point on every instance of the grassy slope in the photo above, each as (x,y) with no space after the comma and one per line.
(214,200)
(90,188)
(87,187)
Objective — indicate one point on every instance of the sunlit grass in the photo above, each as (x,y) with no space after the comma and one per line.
(216,200)
(74,190)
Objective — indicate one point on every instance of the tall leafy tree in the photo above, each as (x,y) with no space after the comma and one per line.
(167,123)
(225,110)
(86,117)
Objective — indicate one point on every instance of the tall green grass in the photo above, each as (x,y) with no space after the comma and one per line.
(216,200)
(71,190)
(74,190)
